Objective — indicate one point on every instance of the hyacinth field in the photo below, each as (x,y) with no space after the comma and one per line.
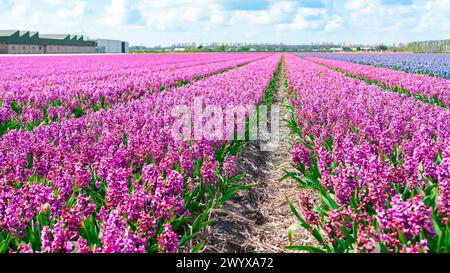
(377,159)
(89,163)
(428,64)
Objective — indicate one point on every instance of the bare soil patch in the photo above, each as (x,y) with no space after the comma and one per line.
(258,220)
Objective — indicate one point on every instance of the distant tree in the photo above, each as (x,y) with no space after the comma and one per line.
(381,48)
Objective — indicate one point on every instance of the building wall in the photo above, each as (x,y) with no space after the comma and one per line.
(3,48)
(125,47)
(55,49)
(48,49)
(25,49)
(109,46)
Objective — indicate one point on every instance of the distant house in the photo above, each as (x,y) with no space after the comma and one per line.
(367,48)
(28,42)
(179,49)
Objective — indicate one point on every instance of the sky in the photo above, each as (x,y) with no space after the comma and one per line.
(165,22)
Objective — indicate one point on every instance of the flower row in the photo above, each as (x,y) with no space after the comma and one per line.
(429,64)
(426,88)
(375,165)
(117,181)
(28,102)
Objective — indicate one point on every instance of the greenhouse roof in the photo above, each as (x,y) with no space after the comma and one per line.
(34,38)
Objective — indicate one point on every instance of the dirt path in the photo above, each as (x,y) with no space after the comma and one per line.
(258,220)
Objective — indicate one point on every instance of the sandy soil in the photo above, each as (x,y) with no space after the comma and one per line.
(258,220)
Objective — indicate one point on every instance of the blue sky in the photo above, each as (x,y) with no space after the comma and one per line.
(164,22)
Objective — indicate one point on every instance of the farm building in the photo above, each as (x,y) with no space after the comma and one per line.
(27,42)
(111,46)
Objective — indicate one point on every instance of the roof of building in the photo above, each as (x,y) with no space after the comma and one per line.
(7,33)
(34,38)
(108,40)
(55,36)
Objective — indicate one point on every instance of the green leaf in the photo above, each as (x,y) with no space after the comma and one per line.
(350,240)
(198,247)
(29,162)
(291,232)
(125,139)
(4,245)
(328,199)
(227,196)
(318,236)
(406,194)
(78,112)
(297,214)
(16,108)
(310,249)
(383,248)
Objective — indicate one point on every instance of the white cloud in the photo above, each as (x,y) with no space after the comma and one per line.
(355,5)
(277,13)
(372,15)
(71,14)
(47,16)
(54,2)
(334,23)
(178,15)
(306,19)
(435,17)
(121,12)
(20,9)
